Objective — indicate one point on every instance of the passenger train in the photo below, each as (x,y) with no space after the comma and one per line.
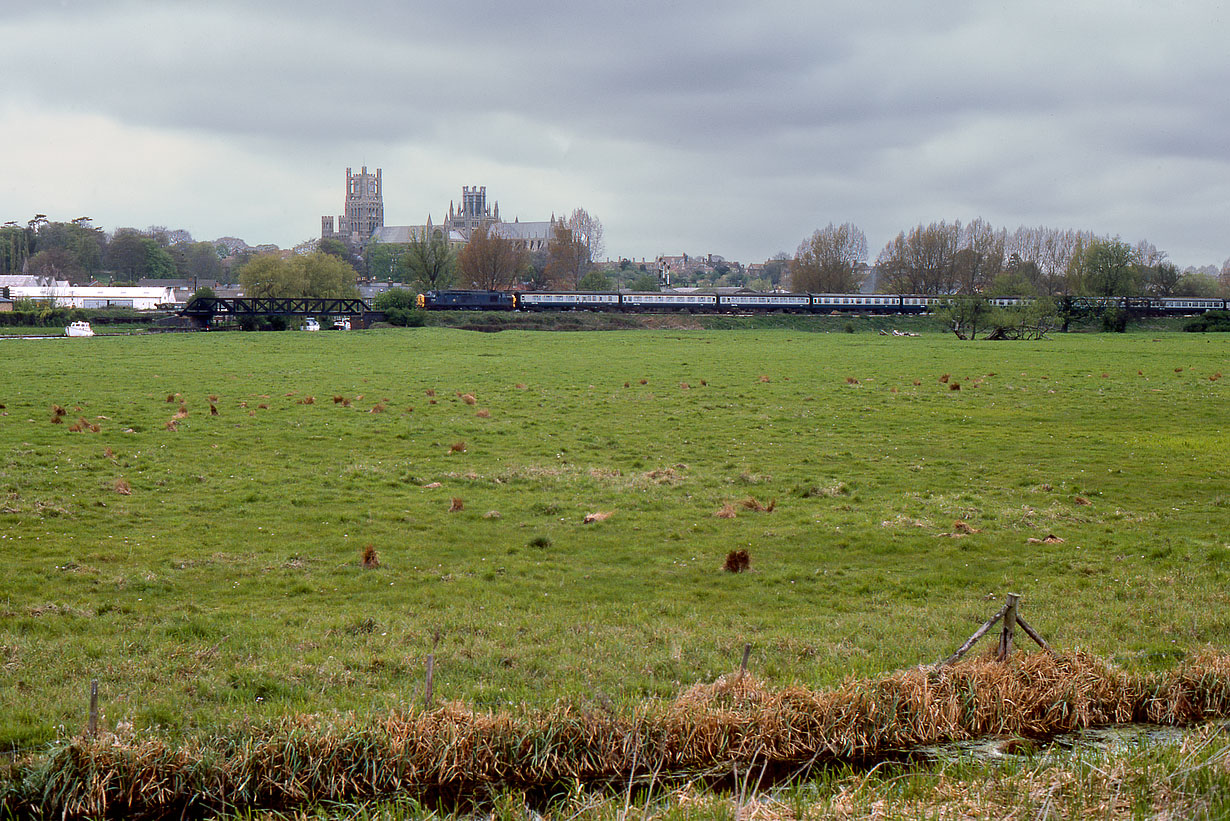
(743,303)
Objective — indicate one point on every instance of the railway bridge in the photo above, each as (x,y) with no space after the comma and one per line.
(204,310)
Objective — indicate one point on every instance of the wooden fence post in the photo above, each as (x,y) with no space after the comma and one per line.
(747,652)
(1005,637)
(92,729)
(431,668)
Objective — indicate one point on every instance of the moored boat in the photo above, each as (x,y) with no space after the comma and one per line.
(79,328)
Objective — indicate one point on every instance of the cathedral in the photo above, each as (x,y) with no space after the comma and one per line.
(364,209)
(363,221)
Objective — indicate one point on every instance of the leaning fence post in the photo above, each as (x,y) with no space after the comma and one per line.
(747,652)
(92,728)
(431,667)
(1005,637)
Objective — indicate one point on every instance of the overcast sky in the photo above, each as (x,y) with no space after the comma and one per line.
(698,126)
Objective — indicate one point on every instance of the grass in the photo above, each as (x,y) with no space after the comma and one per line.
(228,585)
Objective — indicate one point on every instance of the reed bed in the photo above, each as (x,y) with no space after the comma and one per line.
(453,752)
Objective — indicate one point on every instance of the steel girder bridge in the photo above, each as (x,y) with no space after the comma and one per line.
(203,310)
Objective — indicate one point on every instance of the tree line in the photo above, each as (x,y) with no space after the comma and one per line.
(978,258)
(79,252)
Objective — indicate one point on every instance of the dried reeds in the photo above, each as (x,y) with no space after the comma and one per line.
(726,511)
(737,561)
(709,728)
(57,411)
(122,487)
(337,400)
(751,503)
(456,505)
(468,398)
(483,413)
(944,378)
(371,559)
(457,447)
(954,386)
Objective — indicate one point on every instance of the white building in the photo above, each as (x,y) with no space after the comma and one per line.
(96,296)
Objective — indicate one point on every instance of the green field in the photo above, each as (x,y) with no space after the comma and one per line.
(228,584)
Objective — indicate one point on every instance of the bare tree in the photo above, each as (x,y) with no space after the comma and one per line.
(490,260)
(588,229)
(827,260)
(924,261)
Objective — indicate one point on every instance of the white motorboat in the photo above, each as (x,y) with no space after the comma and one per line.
(79,328)
(310,324)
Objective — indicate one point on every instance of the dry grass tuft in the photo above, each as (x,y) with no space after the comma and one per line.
(850,380)
(520,386)
(764,377)
(726,511)
(750,503)
(1212,378)
(1051,538)
(492,514)
(917,382)
(371,559)
(122,487)
(171,425)
(182,413)
(57,420)
(56,410)
(430,392)
(644,381)
(457,447)
(1178,370)
(337,400)
(377,408)
(262,406)
(213,397)
(627,384)
(600,516)
(954,386)
(685,386)
(483,413)
(1081,500)
(960,526)
(468,398)
(75,427)
(213,409)
(456,505)
(345,402)
(737,561)
(313,760)
(108,453)
(944,378)
(308,400)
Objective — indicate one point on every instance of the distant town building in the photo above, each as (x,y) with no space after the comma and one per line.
(364,209)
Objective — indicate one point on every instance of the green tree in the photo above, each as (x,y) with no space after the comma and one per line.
(327,276)
(1161,279)
(966,314)
(268,275)
(429,263)
(594,280)
(1196,284)
(196,260)
(315,275)
(56,264)
(400,307)
(826,261)
(646,281)
(1108,268)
